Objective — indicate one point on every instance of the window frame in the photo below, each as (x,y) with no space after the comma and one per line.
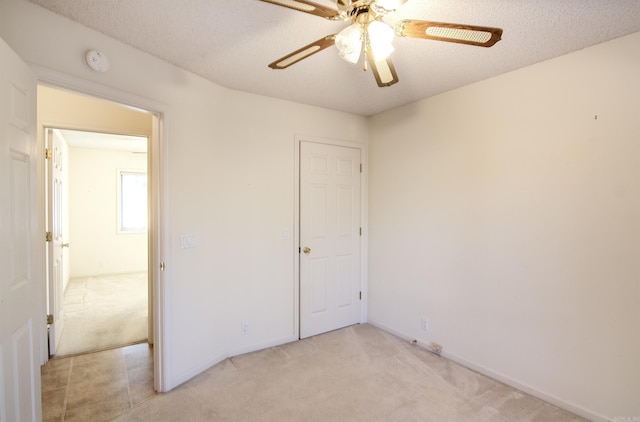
(119,228)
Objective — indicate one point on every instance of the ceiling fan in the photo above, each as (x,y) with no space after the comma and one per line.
(369,34)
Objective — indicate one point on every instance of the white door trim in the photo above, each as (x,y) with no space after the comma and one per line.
(158,224)
(364,199)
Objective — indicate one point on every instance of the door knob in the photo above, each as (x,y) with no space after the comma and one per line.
(65,245)
(306,250)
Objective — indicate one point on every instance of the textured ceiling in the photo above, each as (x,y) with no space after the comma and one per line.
(230,42)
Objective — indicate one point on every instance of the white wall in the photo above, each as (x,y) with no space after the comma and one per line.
(230,167)
(508,213)
(64,109)
(97,248)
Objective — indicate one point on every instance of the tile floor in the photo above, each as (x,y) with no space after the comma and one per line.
(97,386)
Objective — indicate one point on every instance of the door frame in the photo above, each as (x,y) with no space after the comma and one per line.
(158,226)
(364,199)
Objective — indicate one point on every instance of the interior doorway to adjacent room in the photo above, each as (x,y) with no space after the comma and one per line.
(97,195)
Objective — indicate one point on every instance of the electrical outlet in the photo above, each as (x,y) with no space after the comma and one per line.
(424,324)
(244,329)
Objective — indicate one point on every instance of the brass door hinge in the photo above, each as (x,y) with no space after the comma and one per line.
(47,153)
(360,167)
(48,237)
(360,231)
(49,319)
(162,266)
(360,295)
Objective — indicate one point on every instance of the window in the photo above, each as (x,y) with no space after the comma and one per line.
(132,201)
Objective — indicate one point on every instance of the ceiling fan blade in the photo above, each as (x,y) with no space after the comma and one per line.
(383,70)
(304,52)
(482,36)
(307,7)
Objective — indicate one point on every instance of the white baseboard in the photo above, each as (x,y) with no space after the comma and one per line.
(196,370)
(255,347)
(578,410)
(193,371)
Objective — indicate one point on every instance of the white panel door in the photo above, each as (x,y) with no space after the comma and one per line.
(20,261)
(55,201)
(329,237)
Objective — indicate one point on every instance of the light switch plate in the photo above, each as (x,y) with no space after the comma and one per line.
(188,241)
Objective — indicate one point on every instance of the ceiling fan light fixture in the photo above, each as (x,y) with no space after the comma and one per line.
(380,37)
(369,34)
(349,42)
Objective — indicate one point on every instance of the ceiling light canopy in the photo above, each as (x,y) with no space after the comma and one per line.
(367,32)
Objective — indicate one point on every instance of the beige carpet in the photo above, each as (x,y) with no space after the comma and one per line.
(104,312)
(355,374)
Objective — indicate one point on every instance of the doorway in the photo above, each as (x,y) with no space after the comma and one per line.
(102,261)
(97,206)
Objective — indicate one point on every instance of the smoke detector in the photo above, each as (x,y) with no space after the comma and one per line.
(96,60)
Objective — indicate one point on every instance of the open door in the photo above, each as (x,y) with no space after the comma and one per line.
(21,255)
(55,241)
